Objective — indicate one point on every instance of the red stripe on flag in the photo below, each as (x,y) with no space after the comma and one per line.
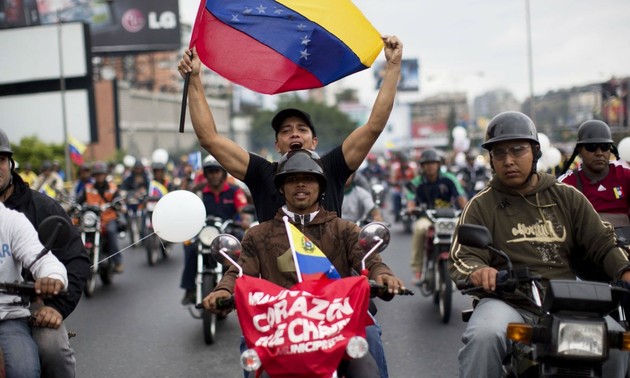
(245,61)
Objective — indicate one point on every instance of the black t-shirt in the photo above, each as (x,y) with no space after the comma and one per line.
(267,199)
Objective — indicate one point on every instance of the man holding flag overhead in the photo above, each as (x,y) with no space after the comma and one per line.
(325,246)
(294,129)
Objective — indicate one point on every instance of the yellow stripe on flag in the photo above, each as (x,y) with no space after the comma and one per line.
(343,19)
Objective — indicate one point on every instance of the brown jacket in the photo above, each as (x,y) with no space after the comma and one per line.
(266,251)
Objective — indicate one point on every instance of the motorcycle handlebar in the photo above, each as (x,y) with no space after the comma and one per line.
(222,304)
(378,290)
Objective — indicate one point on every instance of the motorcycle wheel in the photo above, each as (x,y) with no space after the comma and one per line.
(152,245)
(406,221)
(90,284)
(133,229)
(165,249)
(209,318)
(106,271)
(445,290)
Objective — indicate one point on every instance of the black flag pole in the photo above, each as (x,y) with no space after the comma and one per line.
(182,116)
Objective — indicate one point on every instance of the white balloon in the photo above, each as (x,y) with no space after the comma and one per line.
(160,155)
(552,156)
(624,149)
(178,216)
(544,141)
(459,132)
(129,161)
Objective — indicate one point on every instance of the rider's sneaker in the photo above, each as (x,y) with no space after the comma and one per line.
(189,298)
(119,268)
(417,278)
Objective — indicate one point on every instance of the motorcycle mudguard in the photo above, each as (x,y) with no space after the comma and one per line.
(302,331)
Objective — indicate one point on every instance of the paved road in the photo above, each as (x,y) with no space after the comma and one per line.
(137,328)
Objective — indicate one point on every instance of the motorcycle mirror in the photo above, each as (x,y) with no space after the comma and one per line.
(474,235)
(54,232)
(226,249)
(477,236)
(372,235)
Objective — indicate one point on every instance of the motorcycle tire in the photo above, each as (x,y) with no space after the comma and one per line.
(106,271)
(445,290)
(90,284)
(209,318)
(153,247)
(165,249)
(133,229)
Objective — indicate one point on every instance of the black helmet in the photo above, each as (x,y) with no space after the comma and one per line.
(99,168)
(594,131)
(300,161)
(430,156)
(5,145)
(510,126)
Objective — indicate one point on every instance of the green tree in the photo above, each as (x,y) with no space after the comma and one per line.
(332,126)
(32,150)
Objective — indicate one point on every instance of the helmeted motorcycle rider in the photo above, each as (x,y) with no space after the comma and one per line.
(102,192)
(605,183)
(540,224)
(301,181)
(433,192)
(49,331)
(221,200)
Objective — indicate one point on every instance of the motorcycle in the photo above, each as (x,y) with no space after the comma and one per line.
(378,191)
(53,233)
(155,247)
(570,338)
(209,270)
(407,217)
(88,219)
(136,213)
(310,330)
(438,239)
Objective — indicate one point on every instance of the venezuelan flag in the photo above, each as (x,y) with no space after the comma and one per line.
(76,150)
(157,190)
(312,262)
(279,46)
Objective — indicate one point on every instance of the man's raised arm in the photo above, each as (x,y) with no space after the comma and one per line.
(358,144)
(229,154)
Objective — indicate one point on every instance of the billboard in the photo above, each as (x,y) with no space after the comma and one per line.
(51,86)
(38,48)
(409,75)
(116,26)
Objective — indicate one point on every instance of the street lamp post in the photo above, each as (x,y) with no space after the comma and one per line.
(532,106)
(62,91)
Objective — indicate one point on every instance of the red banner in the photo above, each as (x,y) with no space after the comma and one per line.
(302,331)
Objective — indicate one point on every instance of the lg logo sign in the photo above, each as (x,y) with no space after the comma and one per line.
(133,20)
(165,20)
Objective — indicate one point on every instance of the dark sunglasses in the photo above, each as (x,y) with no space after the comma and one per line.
(592,147)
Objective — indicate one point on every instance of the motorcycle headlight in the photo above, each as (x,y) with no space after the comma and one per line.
(89,219)
(250,360)
(445,227)
(581,339)
(207,235)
